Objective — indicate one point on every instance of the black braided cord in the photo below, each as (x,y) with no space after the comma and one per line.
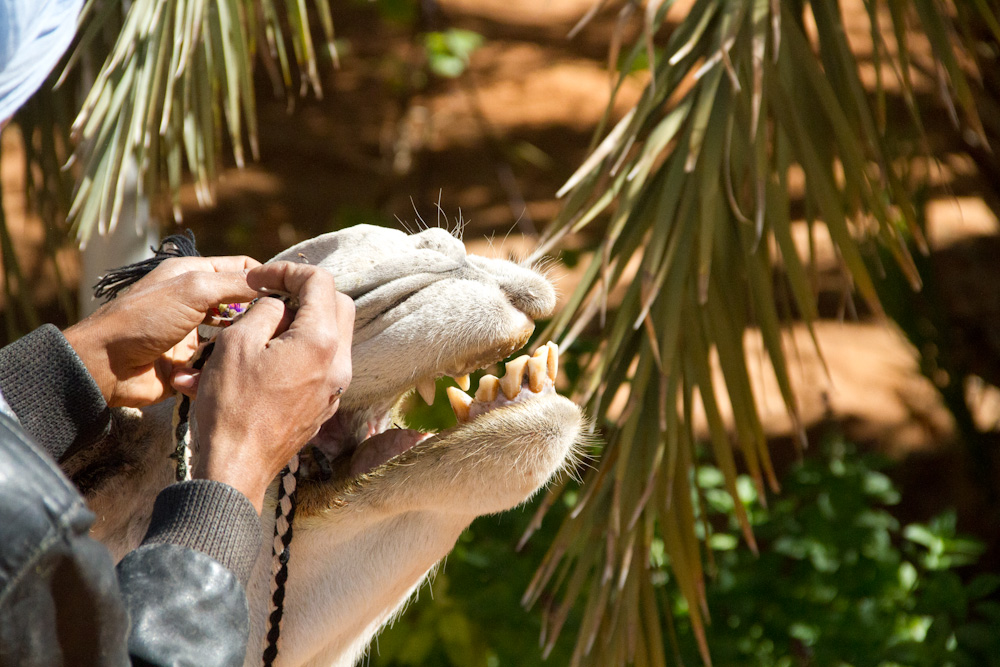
(182,429)
(284,509)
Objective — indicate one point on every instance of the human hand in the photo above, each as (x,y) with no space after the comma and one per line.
(132,344)
(274,377)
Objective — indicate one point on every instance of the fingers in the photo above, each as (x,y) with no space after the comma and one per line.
(345,315)
(283,276)
(183,289)
(265,320)
(345,330)
(233,263)
(185,380)
(175,266)
(314,287)
(324,321)
(200,290)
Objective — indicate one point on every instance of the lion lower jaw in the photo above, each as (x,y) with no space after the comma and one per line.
(360,442)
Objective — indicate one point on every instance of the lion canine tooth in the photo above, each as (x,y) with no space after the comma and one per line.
(463,382)
(537,371)
(427,388)
(553,366)
(460,402)
(514,376)
(488,387)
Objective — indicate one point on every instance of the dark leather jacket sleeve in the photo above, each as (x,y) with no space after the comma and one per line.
(60,601)
(177,600)
(200,616)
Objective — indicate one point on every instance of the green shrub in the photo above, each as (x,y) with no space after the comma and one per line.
(838,582)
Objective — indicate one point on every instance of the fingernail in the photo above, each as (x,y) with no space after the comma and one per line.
(184,380)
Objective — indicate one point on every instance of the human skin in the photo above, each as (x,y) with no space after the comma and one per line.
(273,379)
(275,375)
(132,344)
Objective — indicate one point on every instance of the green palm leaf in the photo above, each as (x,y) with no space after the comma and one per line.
(695,180)
(175,91)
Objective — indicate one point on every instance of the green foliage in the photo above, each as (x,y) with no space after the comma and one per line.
(741,99)
(838,582)
(400,12)
(448,52)
(175,86)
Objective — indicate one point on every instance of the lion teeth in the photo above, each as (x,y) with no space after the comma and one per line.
(460,403)
(427,389)
(537,371)
(489,385)
(510,383)
(553,366)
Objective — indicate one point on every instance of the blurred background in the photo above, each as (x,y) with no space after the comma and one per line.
(775,242)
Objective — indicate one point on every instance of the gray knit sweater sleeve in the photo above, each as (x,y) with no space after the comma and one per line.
(52,394)
(209,517)
(59,405)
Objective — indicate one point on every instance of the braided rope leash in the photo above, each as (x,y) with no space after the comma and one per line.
(223,315)
(284,512)
(284,515)
(182,420)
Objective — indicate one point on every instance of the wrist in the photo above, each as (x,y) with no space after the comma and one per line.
(244,478)
(86,343)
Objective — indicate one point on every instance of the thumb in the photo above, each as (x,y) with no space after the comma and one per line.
(185,380)
(202,290)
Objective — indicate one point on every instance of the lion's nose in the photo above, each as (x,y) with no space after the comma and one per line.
(530,293)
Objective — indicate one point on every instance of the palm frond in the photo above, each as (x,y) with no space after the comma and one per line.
(695,182)
(175,93)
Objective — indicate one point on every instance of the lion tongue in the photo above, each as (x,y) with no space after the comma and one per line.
(333,437)
(379,448)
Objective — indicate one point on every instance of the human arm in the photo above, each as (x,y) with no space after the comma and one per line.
(272,380)
(60,386)
(132,344)
(288,368)
(61,601)
(204,534)
(51,393)
(183,588)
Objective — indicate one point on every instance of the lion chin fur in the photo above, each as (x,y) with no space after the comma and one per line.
(364,543)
